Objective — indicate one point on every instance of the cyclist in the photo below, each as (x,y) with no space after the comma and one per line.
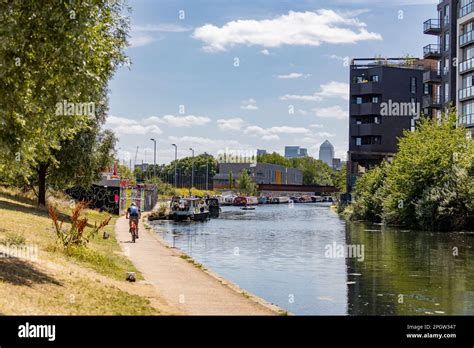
(133,213)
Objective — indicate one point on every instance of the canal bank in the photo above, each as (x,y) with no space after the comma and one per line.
(280,253)
(185,284)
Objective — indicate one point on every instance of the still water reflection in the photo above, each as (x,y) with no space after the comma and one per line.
(282,255)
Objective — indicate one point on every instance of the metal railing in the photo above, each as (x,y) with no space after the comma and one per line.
(431,24)
(466,65)
(431,49)
(465,10)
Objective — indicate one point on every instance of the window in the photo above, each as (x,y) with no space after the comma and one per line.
(358,121)
(446,15)
(358,141)
(446,92)
(375,100)
(413,84)
(446,41)
(426,88)
(359,100)
(361,79)
(374,78)
(446,66)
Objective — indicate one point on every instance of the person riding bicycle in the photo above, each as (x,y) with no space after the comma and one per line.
(133,213)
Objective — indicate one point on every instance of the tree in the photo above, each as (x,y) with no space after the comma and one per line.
(429,184)
(340,177)
(57,58)
(245,184)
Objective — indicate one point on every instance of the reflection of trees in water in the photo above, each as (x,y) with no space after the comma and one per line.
(418,266)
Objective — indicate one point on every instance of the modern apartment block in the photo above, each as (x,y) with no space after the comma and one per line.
(452,83)
(465,65)
(385,98)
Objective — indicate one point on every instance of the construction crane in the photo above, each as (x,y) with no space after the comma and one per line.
(135,160)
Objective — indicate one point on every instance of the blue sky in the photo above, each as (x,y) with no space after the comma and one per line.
(183,85)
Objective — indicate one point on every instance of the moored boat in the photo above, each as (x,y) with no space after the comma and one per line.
(189,208)
(280,200)
(245,201)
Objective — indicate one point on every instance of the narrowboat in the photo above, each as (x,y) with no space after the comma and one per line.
(189,208)
(281,200)
(245,201)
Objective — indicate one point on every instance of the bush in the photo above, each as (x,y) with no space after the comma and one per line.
(162,212)
(77,235)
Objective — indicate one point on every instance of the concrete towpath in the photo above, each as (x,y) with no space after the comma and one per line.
(192,290)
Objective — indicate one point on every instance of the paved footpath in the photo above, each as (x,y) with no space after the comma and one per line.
(182,284)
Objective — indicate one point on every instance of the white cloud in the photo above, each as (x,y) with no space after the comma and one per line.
(122,125)
(163,28)
(230,123)
(179,121)
(274,132)
(294,28)
(316,125)
(326,135)
(265,52)
(249,104)
(331,112)
(332,89)
(137,40)
(293,76)
(142,35)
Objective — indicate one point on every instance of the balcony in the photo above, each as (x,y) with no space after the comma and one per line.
(466,39)
(365,129)
(466,120)
(466,66)
(465,10)
(432,27)
(366,88)
(432,76)
(432,51)
(432,102)
(466,93)
(365,109)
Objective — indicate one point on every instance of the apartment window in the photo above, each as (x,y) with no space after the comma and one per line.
(446,15)
(374,78)
(358,141)
(359,100)
(358,121)
(446,92)
(468,108)
(361,79)
(375,100)
(446,41)
(426,88)
(468,53)
(467,80)
(413,84)
(446,66)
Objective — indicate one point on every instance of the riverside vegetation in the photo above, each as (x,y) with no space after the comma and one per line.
(429,185)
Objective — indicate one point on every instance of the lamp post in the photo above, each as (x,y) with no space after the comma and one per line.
(154,157)
(207,171)
(192,168)
(175,165)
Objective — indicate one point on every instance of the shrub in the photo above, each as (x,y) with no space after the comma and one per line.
(77,235)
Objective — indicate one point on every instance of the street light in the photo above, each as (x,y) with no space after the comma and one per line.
(207,171)
(192,168)
(154,157)
(175,164)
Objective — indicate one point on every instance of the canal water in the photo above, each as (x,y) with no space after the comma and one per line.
(309,261)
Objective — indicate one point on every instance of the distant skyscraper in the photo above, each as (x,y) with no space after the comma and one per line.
(326,153)
(261,152)
(295,151)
